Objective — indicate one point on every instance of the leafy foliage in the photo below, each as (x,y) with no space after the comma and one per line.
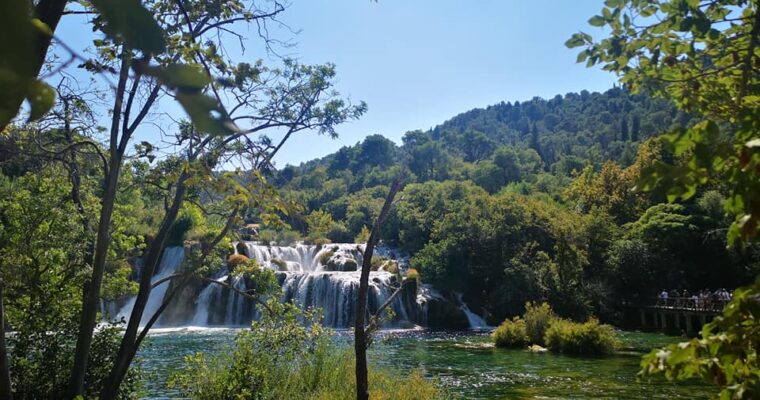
(703,55)
(725,354)
(289,355)
(510,333)
(538,318)
(586,338)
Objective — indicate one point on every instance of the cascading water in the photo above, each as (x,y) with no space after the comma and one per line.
(475,320)
(326,277)
(171,261)
(311,276)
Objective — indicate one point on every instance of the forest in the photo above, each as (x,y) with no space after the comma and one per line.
(532,200)
(592,244)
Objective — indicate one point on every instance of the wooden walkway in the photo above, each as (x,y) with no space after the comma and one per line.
(684,314)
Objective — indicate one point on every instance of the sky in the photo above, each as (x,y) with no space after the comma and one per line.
(417,63)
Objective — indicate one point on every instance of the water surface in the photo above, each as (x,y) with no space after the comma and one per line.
(463,362)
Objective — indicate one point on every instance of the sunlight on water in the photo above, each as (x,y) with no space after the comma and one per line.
(464,362)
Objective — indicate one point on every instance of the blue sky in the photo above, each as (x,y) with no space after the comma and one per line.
(418,63)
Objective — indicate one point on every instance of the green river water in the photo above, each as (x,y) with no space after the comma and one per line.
(463,362)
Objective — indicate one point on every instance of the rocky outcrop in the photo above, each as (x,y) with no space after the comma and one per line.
(442,311)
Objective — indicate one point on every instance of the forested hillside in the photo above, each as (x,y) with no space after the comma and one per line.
(525,201)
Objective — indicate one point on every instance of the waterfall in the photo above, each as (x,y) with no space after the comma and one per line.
(324,277)
(170,263)
(209,295)
(475,320)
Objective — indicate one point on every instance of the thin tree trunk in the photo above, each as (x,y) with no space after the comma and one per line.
(92,288)
(129,342)
(360,334)
(5,369)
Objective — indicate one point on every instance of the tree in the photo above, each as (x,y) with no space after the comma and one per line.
(319,223)
(624,129)
(703,56)
(636,128)
(182,58)
(361,332)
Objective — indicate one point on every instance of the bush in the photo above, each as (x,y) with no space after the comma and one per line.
(236,259)
(363,235)
(537,317)
(325,257)
(413,274)
(511,333)
(288,238)
(282,358)
(267,236)
(587,338)
(40,361)
(350,265)
(377,262)
(281,265)
(321,241)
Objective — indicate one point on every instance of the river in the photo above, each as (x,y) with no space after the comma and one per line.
(464,363)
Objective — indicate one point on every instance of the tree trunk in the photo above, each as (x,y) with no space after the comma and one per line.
(92,289)
(5,369)
(129,341)
(360,333)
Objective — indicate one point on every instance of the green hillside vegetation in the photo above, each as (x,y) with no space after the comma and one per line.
(530,201)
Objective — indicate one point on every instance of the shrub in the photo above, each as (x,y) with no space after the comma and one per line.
(267,236)
(321,241)
(363,235)
(288,237)
(236,259)
(377,262)
(413,274)
(282,358)
(325,257)
(40,359)
(350,265)
(391,266)
(511,333)
(281,265)
(587,338)
(537,317)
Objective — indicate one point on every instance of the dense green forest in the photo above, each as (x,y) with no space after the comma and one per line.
(527,201)
(550,216)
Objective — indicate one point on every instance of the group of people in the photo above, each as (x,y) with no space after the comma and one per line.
(704,299)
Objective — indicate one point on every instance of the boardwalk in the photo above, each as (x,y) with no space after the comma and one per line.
(680,314)
(692,303)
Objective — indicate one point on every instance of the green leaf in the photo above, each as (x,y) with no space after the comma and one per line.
(131,22)
(181,77)
(17,60)
(575,41)
(41,98)
(596,20)
(206,114)
(42,27)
